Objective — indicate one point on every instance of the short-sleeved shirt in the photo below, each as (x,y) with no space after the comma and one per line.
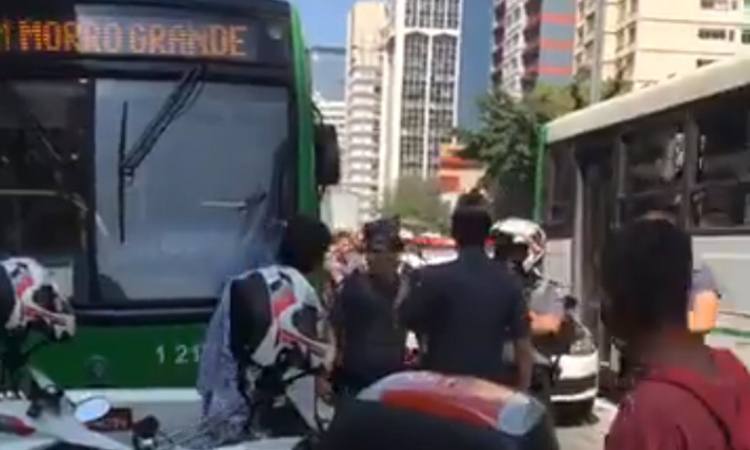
(677,409)
(374,344)
(467,310)
(703,280)
(544,298)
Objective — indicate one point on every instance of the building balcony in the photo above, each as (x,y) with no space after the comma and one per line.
(589,7)
(497,56)
(533,8)
(499,35)
(500,13)
(534,22)
(532,46)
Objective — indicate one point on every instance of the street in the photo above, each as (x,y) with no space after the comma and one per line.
(588,436)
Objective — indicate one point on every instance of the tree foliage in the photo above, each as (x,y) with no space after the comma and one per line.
(417,201)
(507,138)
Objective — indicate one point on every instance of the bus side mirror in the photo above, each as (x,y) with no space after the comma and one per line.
(327,166)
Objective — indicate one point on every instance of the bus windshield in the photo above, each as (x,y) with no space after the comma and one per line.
(194,210)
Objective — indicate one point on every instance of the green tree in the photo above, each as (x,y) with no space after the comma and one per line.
(550,102)
(505,143)
(417,202)
(507,138)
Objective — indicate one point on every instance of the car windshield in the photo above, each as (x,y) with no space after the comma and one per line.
(192,214)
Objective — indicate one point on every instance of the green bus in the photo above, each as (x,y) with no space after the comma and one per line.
(149,150)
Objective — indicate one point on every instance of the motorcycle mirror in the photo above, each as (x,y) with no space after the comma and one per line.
(92,409)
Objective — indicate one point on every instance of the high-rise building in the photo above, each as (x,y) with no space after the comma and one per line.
(533,43)
(647,41)
(361,161)
(476,60)
(420,86)
(585,36)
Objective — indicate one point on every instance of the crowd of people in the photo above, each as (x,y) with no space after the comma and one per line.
(492,318)
(482,316)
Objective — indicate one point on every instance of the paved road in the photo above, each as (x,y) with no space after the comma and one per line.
(588,436)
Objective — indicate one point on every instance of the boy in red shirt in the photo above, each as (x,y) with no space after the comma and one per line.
(689,396)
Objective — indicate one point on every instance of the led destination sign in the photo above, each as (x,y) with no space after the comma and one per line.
(131,36)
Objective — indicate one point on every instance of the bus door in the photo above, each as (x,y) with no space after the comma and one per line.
(597,197)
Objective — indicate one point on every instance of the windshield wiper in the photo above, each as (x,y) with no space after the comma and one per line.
(180,100)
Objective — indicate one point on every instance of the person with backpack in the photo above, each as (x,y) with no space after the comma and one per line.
(687,396)
(268,317)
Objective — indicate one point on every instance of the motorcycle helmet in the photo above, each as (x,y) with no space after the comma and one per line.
(37,301)
(293,334)
(522,232)
(431,410)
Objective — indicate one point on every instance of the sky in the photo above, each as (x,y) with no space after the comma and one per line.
(324,21)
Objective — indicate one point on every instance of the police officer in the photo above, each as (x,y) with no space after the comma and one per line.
(466,310)
(520,244)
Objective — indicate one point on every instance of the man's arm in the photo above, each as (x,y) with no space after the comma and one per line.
(547,311)
(545,324)
(413,310)
(520,333)
(705,301)
(337,320)
(525,362)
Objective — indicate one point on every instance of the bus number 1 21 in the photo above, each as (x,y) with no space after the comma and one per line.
(179,354)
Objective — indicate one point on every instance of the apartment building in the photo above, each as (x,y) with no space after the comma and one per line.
(648,41)
(420,86)
(533,43)
(364,49)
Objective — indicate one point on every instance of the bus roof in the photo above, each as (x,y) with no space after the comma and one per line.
(700,84)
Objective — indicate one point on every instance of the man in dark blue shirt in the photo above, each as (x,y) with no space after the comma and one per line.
(370,342)
(466,310)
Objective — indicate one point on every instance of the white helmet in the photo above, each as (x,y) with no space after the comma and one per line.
(297,324)
(38,303)
(526,232)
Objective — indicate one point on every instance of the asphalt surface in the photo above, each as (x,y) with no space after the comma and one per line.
(590,434)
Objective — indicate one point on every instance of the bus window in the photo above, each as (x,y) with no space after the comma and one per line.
(655,160)
(42,167)
(561,175)
(722,196)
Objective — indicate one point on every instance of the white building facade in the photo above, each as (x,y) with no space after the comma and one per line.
(364,50)
(510,41)
(420,86)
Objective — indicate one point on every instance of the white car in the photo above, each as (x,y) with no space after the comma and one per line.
(577,383)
